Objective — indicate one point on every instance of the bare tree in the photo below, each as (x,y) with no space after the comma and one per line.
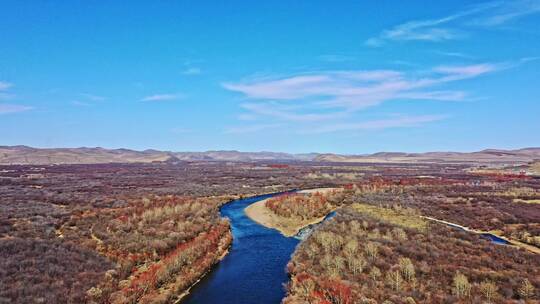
(526,289)
(489,290)
(395,280)
(462,287)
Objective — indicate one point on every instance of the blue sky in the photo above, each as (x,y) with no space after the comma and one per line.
(292,76)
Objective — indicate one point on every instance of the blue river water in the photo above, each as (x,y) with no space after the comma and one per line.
(254,270)
(495,239)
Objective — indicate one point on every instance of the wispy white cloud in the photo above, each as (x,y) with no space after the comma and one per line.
(10,108)
(286,113)
(336,58)
(458,25)
(288,88)
(251,128)
(436,95)
(162,97)
(352,90)
(398,122)
(13,108)
(192,71)
(506,12)
(528,59)
(428,30)
(327,101)
(413,31)
(453,54)
(460,72)
(5,85)
(403,63)
(191,67)
(93,97)
(79,103)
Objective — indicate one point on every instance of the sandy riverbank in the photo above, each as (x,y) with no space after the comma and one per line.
(286,226)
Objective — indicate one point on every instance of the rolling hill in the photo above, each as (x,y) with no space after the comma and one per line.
(10,155)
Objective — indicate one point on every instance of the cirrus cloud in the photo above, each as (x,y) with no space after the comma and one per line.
(5,85)
(192,71)
(10,108)
(458,25)
(396,122)
(13,108)
(327,101)
(354,90)
(251,128)
(162,97)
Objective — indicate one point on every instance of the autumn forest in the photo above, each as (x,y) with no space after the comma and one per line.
(147,233)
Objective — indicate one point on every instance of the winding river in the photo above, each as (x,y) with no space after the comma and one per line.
(254,270)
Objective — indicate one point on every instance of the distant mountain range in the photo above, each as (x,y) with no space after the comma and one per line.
(485,156)
(29,155)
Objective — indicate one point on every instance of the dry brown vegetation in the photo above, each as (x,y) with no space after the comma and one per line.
(120,232)
(160,246)
(145,232)
(305,206)
(371,256)
(484,204)
(45,271)
(535,168)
